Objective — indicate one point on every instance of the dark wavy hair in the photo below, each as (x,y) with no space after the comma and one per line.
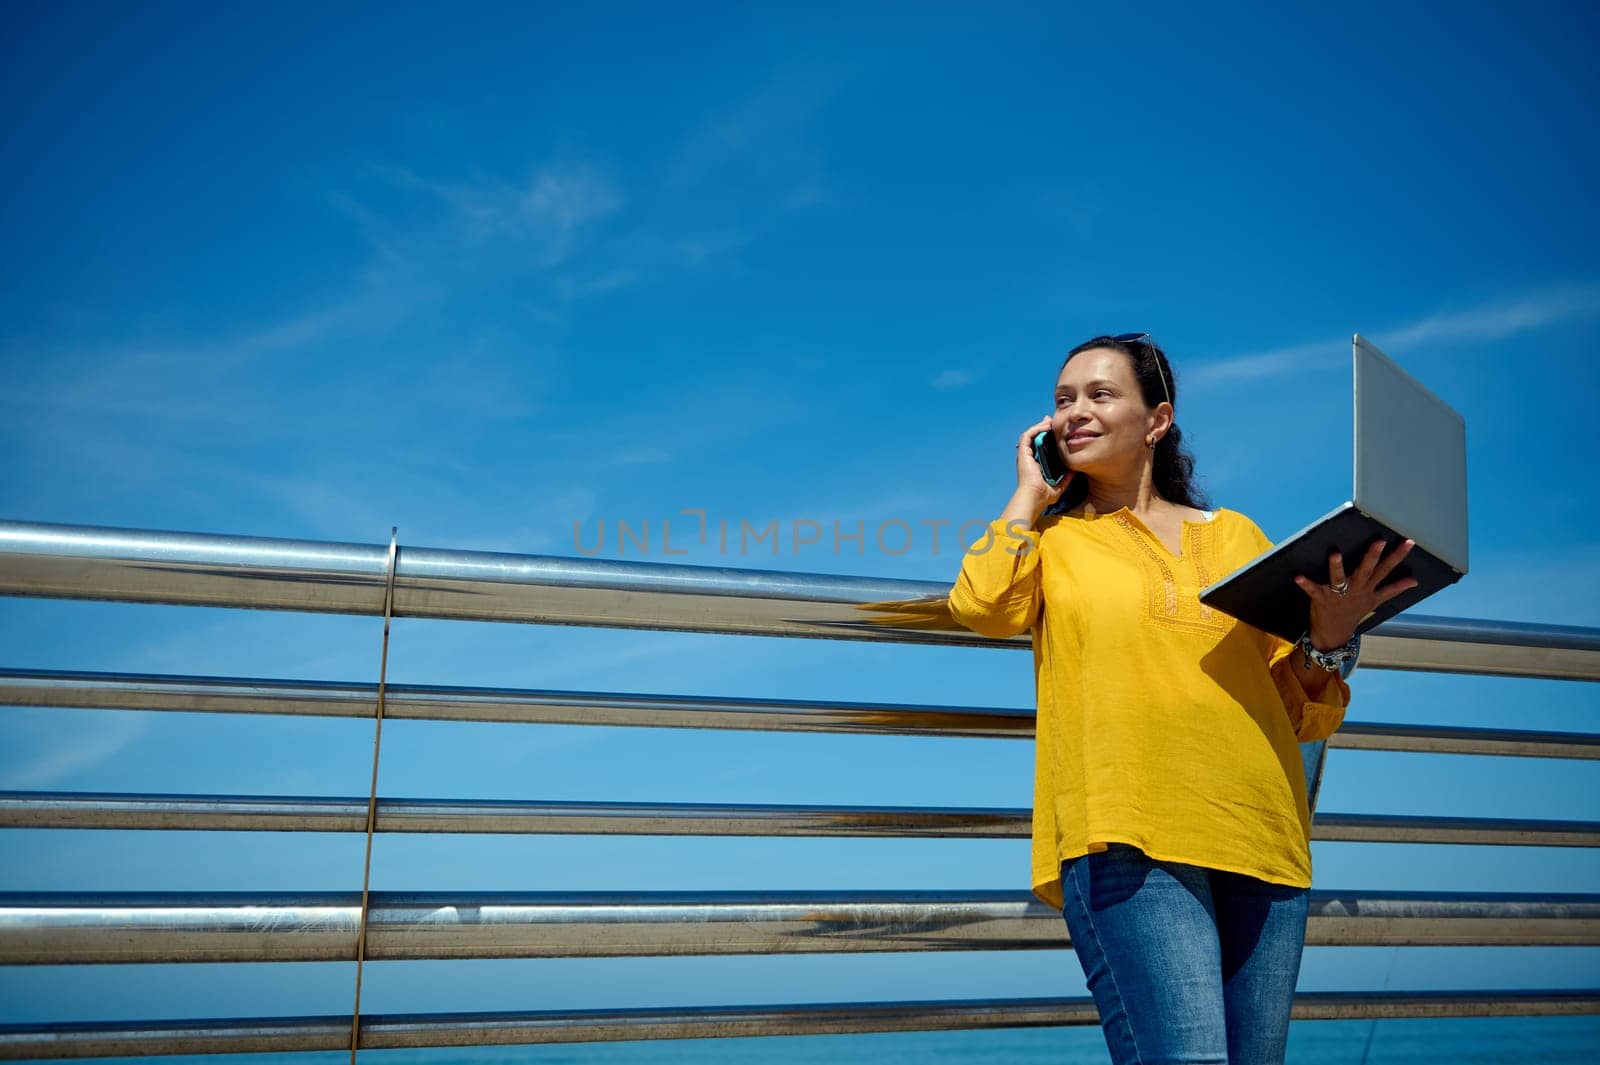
(1173,474)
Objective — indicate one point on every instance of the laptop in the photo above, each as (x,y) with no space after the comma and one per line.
(1410,482)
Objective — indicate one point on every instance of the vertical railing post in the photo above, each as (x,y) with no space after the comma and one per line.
(372,791)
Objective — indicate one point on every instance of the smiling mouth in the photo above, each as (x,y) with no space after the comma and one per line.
(1083,438)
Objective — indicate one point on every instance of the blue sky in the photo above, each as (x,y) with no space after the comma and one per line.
(493,273)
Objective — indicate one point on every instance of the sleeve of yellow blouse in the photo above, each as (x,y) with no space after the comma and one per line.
(1313,719)
(997,592)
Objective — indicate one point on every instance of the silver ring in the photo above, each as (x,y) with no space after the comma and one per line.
(1341,588)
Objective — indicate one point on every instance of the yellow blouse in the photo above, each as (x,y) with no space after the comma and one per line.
(1162,723)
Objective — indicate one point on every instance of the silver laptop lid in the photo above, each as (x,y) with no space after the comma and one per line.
(1410,457)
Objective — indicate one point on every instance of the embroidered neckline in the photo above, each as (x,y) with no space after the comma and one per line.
(1188,533)
(1162,601)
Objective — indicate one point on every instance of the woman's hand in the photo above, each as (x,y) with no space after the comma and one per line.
(1030,478)
(1335,615)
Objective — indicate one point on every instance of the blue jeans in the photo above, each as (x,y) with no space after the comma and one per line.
(1186,964)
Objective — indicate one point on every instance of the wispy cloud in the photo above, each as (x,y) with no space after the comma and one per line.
(567,234)
(1270,363)
(950,379)
(568,198)
(548,213)
(72,742)
(551,240)
(765,138)
(1499,320)
(175,381)
(1473,325)
(695,251)
(609,281)
(275,411)
(469,286)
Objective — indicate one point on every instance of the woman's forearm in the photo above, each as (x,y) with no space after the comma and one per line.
(1024,507)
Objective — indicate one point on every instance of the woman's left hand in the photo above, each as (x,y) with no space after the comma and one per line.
(1334,616)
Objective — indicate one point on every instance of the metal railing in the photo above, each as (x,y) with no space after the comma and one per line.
(142,927)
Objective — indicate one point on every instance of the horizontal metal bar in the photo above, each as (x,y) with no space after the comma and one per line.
(282,813)
(141,691)
(38,929)
(133,565)
(136,691)
(219,813)
(394,1031)
(1426,643)
(332,814)
(1495,831)
(1444,739)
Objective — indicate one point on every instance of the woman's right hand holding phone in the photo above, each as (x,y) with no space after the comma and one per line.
(1030,478)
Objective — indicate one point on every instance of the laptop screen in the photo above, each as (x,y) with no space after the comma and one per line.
(1410,456)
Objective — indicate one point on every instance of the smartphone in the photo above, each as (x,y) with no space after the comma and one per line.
(1047,453)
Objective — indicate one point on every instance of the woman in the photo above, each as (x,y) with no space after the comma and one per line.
(1170,822)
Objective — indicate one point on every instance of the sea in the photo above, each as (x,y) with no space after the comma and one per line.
(1461,1041)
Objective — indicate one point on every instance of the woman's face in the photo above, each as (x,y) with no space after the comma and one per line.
(1100,417)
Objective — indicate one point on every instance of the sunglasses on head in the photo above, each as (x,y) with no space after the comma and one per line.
(1145,339)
